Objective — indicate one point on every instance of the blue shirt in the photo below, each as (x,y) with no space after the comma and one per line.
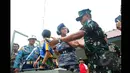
(23,54)
(44,49)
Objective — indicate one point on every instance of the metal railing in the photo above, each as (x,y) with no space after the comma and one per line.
(14,37)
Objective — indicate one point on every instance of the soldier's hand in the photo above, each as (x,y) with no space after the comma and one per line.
(74,43)
(53,42)
(16,70)
(35,64)
(53,38)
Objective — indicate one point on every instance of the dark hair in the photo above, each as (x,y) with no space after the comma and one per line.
(16,44)
(105,35)
(46,33)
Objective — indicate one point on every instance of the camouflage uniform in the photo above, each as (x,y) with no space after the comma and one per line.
(95,45)
(23,54)
(67,58)
(117,59)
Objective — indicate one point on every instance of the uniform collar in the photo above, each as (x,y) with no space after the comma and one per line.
(89,20)
(31,46)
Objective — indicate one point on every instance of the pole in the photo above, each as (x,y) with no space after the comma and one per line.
(21,33)
(12,42)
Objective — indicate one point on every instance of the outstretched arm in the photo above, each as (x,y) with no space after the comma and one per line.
(77,43)
(74,36)
(69,38)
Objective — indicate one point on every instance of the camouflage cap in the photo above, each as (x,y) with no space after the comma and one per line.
(82,13)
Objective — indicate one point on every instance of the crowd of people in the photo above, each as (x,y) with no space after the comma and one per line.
(100,57)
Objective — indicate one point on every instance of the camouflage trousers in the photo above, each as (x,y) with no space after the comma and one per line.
(96,66)
(98,59)
(69,58)
(69,61)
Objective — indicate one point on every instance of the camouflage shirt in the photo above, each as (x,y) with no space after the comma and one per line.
(97,49)
(94,36)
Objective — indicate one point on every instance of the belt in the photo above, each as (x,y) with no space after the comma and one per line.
(65,51)
(29,62)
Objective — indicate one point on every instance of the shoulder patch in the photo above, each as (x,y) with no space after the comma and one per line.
(22,48)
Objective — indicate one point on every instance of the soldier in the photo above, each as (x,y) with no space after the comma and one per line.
(67,58)
(46,53)
(14,54)
(24,52)
(95,42)
(118,22)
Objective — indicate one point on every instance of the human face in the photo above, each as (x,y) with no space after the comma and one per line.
(84,19)
(118,25)
(32,41)
(15,47)
(64,31)
(81,61)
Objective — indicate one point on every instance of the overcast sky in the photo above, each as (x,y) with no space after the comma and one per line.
(32,16)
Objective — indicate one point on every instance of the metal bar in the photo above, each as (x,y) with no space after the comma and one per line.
(21,33)
(12,42)
(14,37)
(32,69)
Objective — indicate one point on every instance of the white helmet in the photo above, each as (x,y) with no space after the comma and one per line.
(32,37)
